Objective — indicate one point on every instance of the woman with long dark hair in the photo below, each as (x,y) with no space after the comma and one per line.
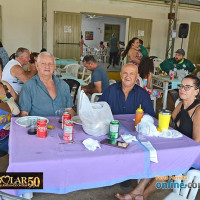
(132,50)
(145,70)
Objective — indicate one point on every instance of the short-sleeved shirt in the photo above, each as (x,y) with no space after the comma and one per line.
(113,45)
(170,64)
(143,50)
(115,97)
(4,56)
(99,74)
(35,99)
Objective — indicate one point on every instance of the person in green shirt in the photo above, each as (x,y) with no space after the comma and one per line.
(143,49)
(114,50)
(177,63)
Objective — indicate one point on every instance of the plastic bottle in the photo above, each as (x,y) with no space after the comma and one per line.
(138,116)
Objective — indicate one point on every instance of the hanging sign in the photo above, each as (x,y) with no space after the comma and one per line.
(67,29)
(140,33)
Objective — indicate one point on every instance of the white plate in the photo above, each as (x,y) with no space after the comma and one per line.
(76,120)
(24,121)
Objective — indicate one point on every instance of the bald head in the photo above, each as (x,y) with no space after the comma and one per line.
(129,74)
(130,65)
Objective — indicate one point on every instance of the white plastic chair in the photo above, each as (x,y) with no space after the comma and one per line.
(139,82)
(177,102)
(94,95)
(72,69)
(85,73)
(112,81)
(193,176)
(156,63)
(78,100)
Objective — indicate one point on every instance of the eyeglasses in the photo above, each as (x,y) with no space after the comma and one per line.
(185,87)
(47,64)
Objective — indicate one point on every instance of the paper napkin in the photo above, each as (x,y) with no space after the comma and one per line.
(128,138)
(152,150)
(91,144)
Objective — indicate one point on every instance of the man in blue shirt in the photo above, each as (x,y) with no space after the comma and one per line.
(99,77)
(125,97)
(45,93)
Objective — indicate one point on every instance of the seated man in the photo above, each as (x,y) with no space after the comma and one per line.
(125,97)
(45,93)
(174,64)
(177,63)
(14,73)
(99,77)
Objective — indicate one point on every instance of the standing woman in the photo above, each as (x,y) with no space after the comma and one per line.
(82,44)
(145,70)
(133,52)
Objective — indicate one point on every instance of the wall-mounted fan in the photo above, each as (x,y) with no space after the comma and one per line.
(93,16)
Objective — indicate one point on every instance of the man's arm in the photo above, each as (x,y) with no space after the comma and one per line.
(71,111)
(23,113)
(18,72)
(97,88)
(12,92)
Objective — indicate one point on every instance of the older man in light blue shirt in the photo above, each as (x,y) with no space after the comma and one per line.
(44,93)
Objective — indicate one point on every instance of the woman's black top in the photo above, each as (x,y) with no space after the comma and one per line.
(186,123)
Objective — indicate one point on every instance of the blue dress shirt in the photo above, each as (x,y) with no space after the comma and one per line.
(115,97)
(35,99)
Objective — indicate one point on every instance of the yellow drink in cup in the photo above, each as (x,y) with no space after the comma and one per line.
(164,117)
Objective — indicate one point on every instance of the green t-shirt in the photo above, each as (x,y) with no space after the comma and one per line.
(170,64)
(113,45)
(143,50)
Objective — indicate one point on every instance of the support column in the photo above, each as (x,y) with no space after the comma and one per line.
(171,27)
(44,24)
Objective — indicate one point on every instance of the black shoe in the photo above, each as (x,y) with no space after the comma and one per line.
(113,66)
(108,66)
(3,153)
(125,184)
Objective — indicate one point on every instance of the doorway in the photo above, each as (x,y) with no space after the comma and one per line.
(67,34)
(193,46)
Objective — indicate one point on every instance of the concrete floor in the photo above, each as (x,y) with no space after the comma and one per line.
(105,193)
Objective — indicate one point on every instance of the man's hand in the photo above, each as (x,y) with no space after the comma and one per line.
(23,113)
(71,111)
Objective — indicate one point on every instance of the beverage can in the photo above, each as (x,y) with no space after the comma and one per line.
(41,128)
(65,117)
(172,75)
(114,129)
(68,131)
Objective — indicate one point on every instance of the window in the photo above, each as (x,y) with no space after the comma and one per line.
(109,29)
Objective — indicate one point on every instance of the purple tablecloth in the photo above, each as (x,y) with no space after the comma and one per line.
(71,167)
